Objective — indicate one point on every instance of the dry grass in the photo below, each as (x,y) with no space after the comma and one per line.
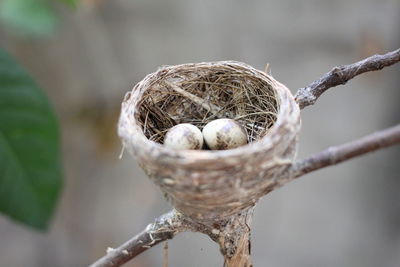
(200,93)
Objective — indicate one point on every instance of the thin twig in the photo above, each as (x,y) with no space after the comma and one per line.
(165,254)
(164,228)
(172,223)
(338,154)
(340,75)
(198,100)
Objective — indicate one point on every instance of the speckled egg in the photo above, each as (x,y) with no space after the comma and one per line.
(223,134)
(184,136)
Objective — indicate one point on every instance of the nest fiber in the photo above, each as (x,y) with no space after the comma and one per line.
(208,184)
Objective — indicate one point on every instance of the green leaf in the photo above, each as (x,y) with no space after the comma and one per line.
(72,3)
(30,169)
(29,17)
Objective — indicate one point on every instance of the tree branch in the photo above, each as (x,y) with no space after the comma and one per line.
(164,228)
(338,154)
(172,223)
(340,75)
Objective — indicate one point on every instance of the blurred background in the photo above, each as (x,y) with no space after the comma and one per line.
(348,215)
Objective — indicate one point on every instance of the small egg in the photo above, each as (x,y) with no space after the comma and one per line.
(184,136)
(224,134)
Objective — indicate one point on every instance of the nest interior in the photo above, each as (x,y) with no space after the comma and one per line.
(200,93)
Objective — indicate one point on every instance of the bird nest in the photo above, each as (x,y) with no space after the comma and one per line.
(208,184)
(200,93)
